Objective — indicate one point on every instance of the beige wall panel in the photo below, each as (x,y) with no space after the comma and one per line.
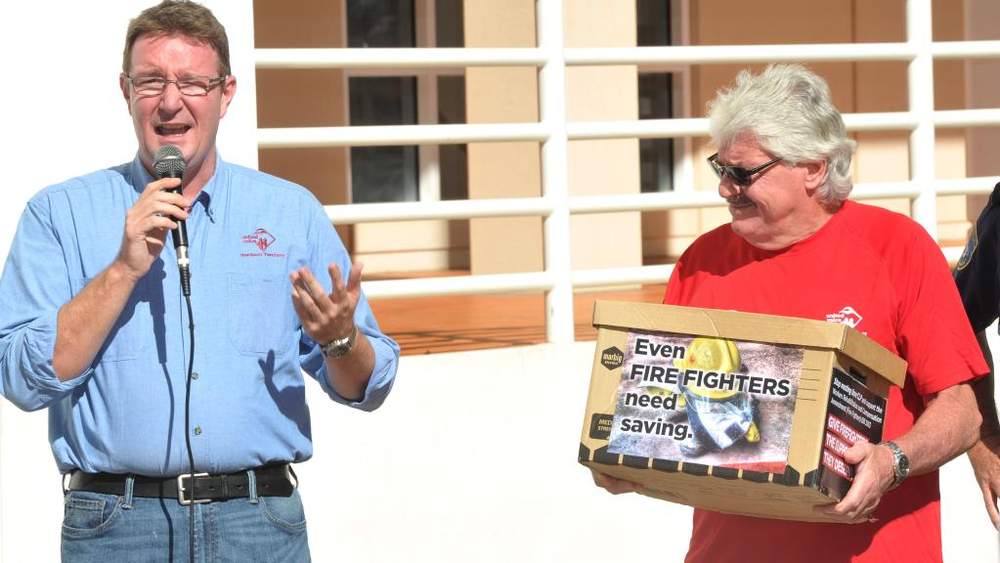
(953,223)
(949,153)
(879,86)
(950,87)
(504,170)
(599,23)
(897,204)
(882,157)
(884,20)
(983,92)
(494,95)
(510,23)
(606,240)
(301,98)
(411,246)
(949,76)
(388,265)
(602,93)
(501,95)
(418,235)
(298,23)
(667,234)
(322,170)
(725,22)
(949,162)
(505,244)
(603,166)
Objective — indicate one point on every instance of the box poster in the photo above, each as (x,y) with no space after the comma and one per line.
(706,400)
(854,414)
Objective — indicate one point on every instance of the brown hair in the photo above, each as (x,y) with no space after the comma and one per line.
(181,17)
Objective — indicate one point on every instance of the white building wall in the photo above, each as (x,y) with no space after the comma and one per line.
(473,458)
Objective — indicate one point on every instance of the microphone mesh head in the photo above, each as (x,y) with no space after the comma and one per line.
(169,162)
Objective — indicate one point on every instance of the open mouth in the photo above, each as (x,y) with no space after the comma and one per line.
(169,129)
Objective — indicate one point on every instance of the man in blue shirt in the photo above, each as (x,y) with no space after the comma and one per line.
(94,326)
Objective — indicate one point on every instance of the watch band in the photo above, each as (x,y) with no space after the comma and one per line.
(900,466)
(339,347)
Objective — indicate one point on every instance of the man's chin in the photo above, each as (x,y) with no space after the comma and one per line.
(746,227)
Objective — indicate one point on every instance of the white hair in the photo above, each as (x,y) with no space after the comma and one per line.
(788,110)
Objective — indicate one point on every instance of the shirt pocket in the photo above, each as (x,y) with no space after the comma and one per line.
(258,313)
(132,332)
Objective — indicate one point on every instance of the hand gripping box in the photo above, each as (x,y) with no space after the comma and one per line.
(733,412)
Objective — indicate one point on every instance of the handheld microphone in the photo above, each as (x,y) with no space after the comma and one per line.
(168,162)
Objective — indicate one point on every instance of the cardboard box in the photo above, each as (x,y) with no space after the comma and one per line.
(732,412)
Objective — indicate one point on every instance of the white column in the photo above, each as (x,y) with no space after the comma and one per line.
(552,93)
(920,75)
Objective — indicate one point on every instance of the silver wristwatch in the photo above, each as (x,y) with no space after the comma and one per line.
(339,347)
(901,464)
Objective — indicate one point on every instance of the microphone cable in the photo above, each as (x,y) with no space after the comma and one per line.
(168,162)
(187,424)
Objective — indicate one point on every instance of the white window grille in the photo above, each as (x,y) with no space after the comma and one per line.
(555,205)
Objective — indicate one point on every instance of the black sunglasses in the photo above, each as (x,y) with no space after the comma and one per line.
(740,176)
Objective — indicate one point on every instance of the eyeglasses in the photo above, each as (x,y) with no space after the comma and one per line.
(740,176)
(192,86)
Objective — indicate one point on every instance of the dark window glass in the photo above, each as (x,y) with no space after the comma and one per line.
(652,22)
(380,23)
(656,156)
(448,16)
(381,174)
(452,159)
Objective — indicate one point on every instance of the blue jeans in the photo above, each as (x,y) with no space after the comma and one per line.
(100,528)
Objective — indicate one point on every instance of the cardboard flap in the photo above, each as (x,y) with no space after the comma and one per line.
(754,327)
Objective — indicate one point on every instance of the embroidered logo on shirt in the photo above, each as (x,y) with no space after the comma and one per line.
(262,240)
(846,316)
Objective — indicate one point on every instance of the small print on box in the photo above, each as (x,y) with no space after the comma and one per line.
(707,400)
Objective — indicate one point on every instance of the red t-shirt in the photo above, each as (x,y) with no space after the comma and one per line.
(881,272)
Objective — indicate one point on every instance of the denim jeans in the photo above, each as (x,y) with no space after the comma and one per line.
(100,528)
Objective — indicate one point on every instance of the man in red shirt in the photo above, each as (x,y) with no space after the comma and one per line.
(796,246)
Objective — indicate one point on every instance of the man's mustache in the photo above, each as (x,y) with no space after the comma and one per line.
(738,199)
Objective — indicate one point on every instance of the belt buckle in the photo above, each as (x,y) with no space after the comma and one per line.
(181,489)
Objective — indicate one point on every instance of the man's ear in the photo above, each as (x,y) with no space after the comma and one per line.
(123,84)
(228,92)
(815,173)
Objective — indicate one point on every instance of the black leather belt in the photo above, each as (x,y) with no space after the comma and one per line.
(272,481)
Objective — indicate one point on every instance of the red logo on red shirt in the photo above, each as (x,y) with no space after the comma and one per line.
(263,240)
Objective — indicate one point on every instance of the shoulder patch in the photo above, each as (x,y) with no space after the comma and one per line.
(970,247)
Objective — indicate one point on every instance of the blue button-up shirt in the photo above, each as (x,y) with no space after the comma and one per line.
(125,414)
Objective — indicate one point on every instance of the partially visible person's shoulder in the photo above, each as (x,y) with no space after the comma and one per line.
(93,184)
(262,180)
(887,235)
(880,225)
(713,238)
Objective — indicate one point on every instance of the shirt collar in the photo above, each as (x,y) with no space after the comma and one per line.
(141,178)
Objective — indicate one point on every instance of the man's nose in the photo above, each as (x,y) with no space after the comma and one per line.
(728,188)
(170,98)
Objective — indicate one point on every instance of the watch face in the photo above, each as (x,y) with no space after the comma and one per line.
(903,463)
